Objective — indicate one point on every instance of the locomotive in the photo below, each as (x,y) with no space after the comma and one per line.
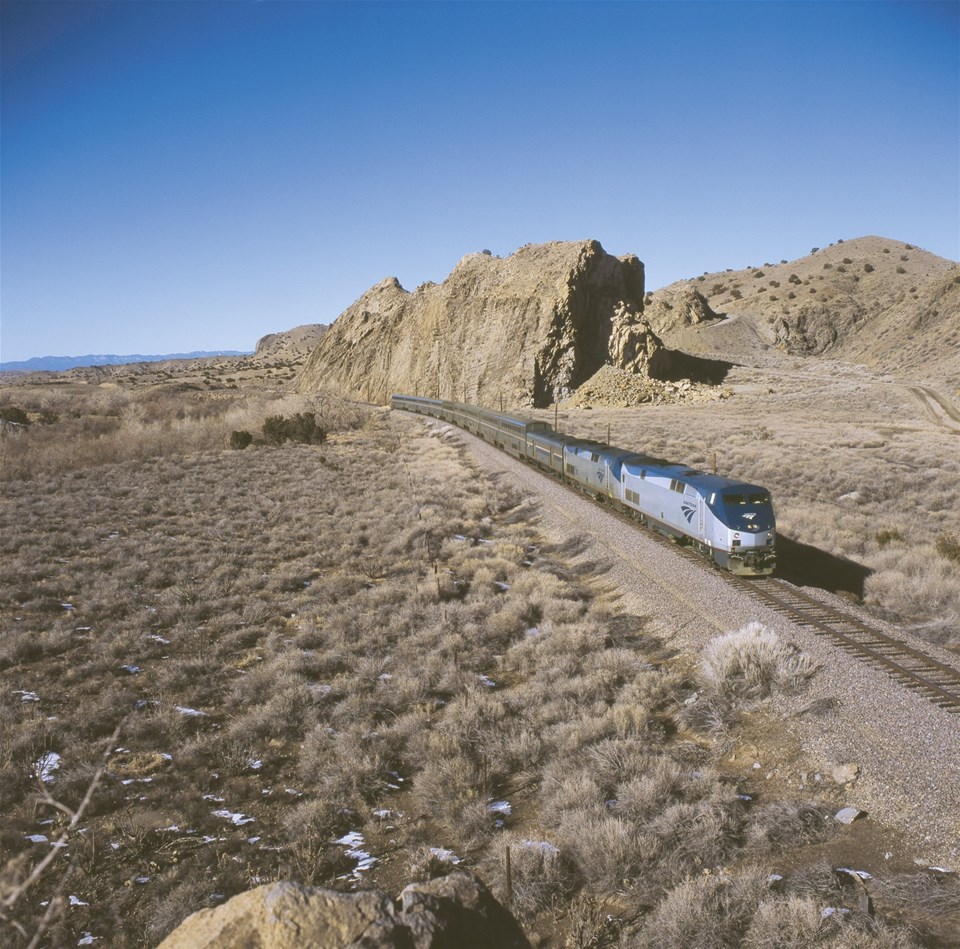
(731,522)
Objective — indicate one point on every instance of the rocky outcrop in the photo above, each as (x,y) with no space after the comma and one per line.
(446,913)
(616,388)
(635,348)
(677,307)
(528,328)
(293,344)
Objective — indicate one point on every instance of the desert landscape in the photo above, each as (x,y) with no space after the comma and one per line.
(257,628)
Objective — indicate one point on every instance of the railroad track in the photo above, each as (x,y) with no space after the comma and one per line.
(937,682)
(915,670)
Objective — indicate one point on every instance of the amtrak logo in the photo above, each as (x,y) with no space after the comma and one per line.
(600,474)
(749,517)
(688,509)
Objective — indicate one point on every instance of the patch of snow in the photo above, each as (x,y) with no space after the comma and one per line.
(192,712)
(544,846)
(254,764)
(252,840)
(26,696)
(68,606)
(500,807)
(37,838)
(159,639)
(500,585)
(87,939)
(46,765)
(76,901)
(485,680)
(133,670)
(353,841)
(234,817)
(828,911)
(213,797)
(860,873)
(447,856)
(532,631)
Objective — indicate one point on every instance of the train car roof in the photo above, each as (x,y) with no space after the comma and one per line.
(699,479)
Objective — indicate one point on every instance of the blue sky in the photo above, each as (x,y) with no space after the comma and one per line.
(192,175)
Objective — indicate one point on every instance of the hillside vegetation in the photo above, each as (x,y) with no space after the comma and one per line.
(885,304)
(357,664)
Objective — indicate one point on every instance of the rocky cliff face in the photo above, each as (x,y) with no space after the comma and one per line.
(528,328)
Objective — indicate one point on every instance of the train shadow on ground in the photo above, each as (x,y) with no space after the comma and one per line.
(808,566)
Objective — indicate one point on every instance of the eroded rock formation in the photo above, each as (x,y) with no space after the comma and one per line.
(528,328)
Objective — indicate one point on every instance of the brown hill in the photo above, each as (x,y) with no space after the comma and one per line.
(293,345)
(882,303)
(528,328)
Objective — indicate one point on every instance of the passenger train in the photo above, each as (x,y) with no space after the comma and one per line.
(729,521)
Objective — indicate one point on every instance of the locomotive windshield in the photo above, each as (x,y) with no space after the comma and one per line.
(747,510)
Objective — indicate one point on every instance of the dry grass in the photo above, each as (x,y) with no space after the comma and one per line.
(854,472)
(363,638)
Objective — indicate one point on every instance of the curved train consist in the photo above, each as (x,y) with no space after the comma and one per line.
(729,521)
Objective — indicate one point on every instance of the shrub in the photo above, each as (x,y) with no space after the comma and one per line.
(301,427)
(948,546)
(240,439)
(868,268)
(887,536)
(10,413)
(901,269)
(751,661)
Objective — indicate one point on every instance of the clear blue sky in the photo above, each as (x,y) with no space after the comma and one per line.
(193,175)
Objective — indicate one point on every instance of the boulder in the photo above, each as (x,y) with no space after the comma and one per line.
(446,913)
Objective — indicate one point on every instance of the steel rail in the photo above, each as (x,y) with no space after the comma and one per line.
(934,680)
(938,682)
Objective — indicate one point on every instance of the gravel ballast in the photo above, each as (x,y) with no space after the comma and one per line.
(907,750)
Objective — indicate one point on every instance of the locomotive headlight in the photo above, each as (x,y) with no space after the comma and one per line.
(736,535)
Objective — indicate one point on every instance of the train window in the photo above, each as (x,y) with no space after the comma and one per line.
(633,497)
(570,469)
(594,456)
(677,486)
(735,498)
(759,498)
(643,473)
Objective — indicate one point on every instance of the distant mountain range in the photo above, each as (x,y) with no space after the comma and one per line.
(62,363)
